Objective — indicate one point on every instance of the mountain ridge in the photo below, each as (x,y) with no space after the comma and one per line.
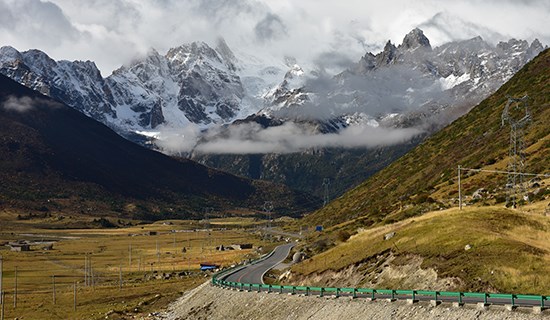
(54,157)
(425,178)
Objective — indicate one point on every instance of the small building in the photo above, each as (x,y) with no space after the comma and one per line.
(20,247)
(209,266)
(242,246)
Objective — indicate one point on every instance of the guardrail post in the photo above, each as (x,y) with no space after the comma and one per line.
(281,289)
(250,287)
(460,294)
(414,295)
(542,302)
(485,296)
(321,293)
(435,295)
(293,290)
(259,288)
(269,289)
(354,293)
(242,286)
(393,294)
(372,294)
(513,300)
(307,291)
(337,292)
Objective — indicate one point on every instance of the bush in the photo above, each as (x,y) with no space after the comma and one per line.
(343,235)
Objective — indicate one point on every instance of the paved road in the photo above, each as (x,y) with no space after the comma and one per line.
(254,273)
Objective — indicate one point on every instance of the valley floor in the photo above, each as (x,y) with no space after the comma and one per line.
(208,302)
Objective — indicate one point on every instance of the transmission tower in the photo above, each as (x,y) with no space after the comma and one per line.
(326,185)
(516,113)
(268,207)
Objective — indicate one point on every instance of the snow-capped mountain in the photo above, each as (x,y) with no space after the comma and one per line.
(192,83)
(407,85)
(404,85)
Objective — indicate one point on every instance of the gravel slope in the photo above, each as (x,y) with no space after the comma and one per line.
(208,302)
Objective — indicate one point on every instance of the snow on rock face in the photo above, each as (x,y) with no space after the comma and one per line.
(77,83)
(204,86)
(416,83)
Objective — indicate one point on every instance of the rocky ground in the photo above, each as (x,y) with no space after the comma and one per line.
(208,302)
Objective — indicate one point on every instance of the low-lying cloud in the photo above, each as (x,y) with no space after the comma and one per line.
(251,138)
(16,104)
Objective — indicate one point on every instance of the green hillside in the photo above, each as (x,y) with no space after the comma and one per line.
(425,179)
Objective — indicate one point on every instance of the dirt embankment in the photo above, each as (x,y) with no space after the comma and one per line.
(208,302)
(380,272)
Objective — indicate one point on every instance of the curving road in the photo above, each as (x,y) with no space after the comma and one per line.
(254,273)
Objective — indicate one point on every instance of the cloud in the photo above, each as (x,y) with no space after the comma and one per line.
(112,32)
(41,23)
(25,104)
(174,141)
(251,138)
(271,27)
(21,105)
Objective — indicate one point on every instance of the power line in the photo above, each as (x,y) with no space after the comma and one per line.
(546,175)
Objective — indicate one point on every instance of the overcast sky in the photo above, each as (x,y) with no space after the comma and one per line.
(111,32)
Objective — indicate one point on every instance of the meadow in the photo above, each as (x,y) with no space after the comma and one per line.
(113,273)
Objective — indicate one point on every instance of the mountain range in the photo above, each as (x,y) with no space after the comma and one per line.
(177,102)
(54,158)
(426,178)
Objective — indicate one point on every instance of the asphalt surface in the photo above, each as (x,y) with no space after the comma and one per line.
(254,273)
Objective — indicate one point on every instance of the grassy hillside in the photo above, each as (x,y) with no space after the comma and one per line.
(509,252)
(425,179)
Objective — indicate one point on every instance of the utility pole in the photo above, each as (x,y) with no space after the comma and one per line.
(15,290)
(1,278)
(53,288)
(85,269)
(326,197)
(158,252)
(92,278)
(120,277)
(459,190)
(268,207)
(174,241)
(74,296)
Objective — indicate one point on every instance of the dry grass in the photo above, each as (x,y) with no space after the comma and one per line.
(510,249)
(109,252)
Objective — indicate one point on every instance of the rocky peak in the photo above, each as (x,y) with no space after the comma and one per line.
(415,39)
(8,53)
(535,48)
(512,45)
(387,55)
(226,54)
(191,52)
(366,63)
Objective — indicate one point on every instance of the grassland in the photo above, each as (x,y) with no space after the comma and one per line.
(154,268)
(510,249)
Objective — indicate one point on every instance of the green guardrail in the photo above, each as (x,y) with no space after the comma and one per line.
(218,280)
